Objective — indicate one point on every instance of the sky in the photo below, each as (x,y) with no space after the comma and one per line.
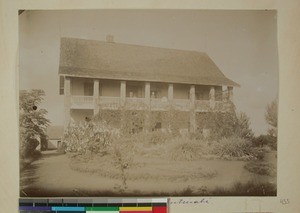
(243,44)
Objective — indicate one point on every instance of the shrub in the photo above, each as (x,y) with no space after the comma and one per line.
(261,168)
(258,152)
(225,124)
(265,140)
(157,137)
(83,137)
(233,147)
(186,149)
(27,147)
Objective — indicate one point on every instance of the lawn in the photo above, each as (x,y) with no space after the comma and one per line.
(151,168)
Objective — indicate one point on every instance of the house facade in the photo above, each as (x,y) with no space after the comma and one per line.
(96,75)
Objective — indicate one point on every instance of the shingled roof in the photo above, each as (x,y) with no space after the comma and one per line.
(106,60)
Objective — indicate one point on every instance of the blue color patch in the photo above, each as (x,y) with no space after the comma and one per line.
(34,208)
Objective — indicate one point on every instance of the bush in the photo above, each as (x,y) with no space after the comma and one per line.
(265,140)
(83,137)
(187,149)
(261,168)
(157,137)
(225,124)
(28,146)
(233,147)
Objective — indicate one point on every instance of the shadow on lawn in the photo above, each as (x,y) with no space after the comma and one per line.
(28,172)
(27,177)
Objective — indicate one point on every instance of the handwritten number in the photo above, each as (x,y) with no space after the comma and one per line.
(284,201)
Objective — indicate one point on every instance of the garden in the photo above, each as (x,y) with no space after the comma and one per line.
(117,153)
(230,161)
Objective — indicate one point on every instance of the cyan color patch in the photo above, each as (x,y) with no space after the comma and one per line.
(67,209)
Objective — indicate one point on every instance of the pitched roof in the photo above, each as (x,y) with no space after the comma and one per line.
(97,59)
(55,132)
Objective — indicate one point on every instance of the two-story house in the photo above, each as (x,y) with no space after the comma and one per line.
(97,75)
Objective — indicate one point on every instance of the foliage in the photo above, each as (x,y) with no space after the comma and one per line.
(243,129)
(174,120)
(122,161)
(97,137)
(261,168)
(271,117)
(33,122)
(158,137)
(233,147)
(251,188)
(186,150)
(88,137)
(226,124)
(35,155)
(265,140)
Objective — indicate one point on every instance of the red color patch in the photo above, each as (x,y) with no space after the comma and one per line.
(136,212)
(159,209)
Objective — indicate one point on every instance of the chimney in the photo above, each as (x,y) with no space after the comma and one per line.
(110,39)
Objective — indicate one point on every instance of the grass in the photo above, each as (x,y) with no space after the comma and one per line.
(250,188)
(264,166)
(142,168)
(238,189)
(261,168)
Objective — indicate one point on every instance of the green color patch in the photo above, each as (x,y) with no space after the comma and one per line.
(102,209)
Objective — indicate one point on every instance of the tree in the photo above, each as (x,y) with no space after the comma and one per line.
(33,121)
(242,127)
(271,117)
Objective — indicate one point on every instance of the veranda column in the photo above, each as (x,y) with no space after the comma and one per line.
(123,93)
(212,94)
(122,108)
(147,93)
(67,101)
(230,93)
(170,99)
(192,109)
(147,112)
(96,96)
(170,92)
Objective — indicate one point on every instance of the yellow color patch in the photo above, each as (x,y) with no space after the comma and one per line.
(135,208)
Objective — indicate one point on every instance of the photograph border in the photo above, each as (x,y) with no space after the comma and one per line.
(288,45)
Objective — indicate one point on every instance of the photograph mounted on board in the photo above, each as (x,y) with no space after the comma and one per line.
(148,103)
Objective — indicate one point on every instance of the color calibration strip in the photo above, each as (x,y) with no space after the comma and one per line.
(143,205)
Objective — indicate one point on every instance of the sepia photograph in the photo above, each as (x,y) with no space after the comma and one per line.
(148,103)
